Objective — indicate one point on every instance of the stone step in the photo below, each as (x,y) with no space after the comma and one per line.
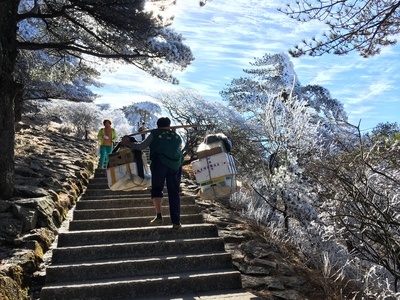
(127,212)
(80,254)
(103,179)
(110,251)
(106,192)
(99,185)
(126,235)
(150,286)
(213,295)
(124,202)
(98,173)
(133,267)
(114,195)
(97,180)
(103,184)
(128,222)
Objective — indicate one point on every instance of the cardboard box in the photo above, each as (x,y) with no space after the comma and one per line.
(220,181)
(218,188)
(117,172)
(121,157)
(214,166)
(205,150)
(209,152)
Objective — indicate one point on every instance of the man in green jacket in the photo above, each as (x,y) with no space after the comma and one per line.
(166,166)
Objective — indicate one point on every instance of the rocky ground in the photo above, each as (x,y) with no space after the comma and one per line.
(52,170)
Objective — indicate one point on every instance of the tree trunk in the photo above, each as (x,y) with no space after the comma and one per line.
(8,94)
(18,103)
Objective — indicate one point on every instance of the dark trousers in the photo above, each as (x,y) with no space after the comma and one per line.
(161,173)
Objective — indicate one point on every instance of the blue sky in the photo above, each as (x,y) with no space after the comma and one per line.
(225,36)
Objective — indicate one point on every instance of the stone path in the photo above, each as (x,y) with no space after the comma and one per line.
(109,251)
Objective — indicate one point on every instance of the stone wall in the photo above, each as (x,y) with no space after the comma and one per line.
(52,169)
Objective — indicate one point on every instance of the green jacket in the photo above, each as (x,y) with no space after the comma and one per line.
(101,133)
(167,146)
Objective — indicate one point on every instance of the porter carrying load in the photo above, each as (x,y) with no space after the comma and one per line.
(129,169)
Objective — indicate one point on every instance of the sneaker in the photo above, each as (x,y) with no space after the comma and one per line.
(176,226)
(157,221)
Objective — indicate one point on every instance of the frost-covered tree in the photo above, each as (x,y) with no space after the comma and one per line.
(274,76)
(280,194)
(362,26)
(75,118)
(127,31)
(359,188)
(336,201)
(273,80)
(339,190)
(292,138)
(139,112)
(298,128)
(133,32)
(80,116)
(47,75)
(389,132)
(44,77)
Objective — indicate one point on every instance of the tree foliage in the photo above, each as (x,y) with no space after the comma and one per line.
(264,96)
(362,26)
(386,131)
(292,138)
(274,76)
(131,31)
(360,189)
(144,111)
(74,118)
(44,77)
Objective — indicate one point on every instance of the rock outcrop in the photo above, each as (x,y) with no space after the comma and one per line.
(51,171)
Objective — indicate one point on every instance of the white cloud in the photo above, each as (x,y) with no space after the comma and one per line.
(361,111)
(328,74)
(372,92)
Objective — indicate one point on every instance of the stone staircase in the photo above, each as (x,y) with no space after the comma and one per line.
(110,251)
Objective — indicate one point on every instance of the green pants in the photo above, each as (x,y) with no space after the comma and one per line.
(104,152)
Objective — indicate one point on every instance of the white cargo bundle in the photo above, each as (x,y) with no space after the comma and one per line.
(125,177)
(215,169)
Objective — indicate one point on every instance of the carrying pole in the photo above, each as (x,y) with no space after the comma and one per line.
(170,127)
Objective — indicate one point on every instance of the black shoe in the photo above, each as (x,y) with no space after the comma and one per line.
(176,226)
(157,221)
